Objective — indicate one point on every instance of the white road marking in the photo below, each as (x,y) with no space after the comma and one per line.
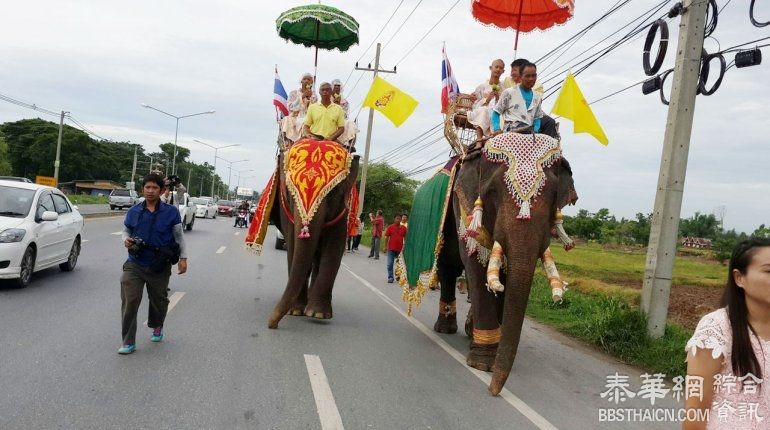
(324,399)
(117,233)
(536,419)
(84,241)
(221,249)
(237,233)
(172,301)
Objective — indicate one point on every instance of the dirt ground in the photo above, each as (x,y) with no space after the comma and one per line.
(688,303)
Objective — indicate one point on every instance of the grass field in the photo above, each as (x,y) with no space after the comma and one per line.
(80,199)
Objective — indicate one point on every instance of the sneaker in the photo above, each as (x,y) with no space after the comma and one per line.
(157,334)
(390,280)
(126,349)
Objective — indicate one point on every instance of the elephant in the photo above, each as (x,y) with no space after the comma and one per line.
(320,253)
(495,320)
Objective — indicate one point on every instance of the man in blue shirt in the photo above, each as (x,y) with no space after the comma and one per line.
(149,229)
(521,105)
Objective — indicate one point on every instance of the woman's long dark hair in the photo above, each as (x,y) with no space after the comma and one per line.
(743,359)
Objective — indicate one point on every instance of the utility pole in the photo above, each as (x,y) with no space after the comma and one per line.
(150,164)
(57,162)
(133,169)
(189,178)
(376,70)
(661,250)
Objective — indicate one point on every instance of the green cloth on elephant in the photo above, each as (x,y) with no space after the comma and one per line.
(426,220)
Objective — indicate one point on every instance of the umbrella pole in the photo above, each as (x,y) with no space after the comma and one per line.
(315,65)
(518,26)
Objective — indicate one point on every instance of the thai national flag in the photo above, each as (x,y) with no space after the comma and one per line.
(280,97)
(449,87)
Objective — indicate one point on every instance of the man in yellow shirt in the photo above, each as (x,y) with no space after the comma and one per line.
(324,120)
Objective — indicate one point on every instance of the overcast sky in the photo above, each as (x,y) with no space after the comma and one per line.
(101,60)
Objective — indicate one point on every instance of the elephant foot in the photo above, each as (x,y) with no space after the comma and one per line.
(296,310)
(482,357)
(446,324)
(447,318)
(319,312)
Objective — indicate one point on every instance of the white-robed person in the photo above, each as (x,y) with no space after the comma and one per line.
(485,97)
(348,137)
(298,102)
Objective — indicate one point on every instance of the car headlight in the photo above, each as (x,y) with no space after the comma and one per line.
(12,235)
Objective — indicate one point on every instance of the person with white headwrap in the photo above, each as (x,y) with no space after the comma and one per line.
(298,102)
(351,129)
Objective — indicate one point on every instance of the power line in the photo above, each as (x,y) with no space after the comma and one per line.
(427,33)
(396,156)
(423,164)
(409,154)
(431,167)
(408,142)
(32,106)
(84,128)
(401,26)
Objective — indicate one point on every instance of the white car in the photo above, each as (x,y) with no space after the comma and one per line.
(39,228)
(205,207)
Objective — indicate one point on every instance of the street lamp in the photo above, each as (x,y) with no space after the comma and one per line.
(230,174)
(176,133)
(216,148)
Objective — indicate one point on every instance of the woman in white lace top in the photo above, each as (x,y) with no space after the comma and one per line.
(729,354)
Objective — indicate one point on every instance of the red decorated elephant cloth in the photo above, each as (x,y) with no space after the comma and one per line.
(313,168)
(526,156)
(353,213)
(258,228)
(417,265)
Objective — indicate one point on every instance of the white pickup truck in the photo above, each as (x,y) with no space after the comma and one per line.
(187,212)
(122,198)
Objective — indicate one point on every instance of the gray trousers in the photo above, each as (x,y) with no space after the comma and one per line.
(132,284)
(375,251)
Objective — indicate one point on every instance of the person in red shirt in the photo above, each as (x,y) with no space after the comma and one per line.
(378,223)
(395,235)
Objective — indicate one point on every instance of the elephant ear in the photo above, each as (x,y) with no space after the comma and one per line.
(565,191)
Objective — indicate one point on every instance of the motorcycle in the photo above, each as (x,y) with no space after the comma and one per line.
(241,219)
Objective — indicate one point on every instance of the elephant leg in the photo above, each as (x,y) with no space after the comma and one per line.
(486,328)
(332,248)
(447,306)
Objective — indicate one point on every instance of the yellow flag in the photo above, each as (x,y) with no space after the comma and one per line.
(395,104)
(572,105)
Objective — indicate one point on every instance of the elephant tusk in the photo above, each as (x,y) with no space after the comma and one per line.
(493,270)
(554,279)
(563,237)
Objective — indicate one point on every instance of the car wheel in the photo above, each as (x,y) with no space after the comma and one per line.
(112,207)
(27,268)
(189,227)
(280,244)
(72,260)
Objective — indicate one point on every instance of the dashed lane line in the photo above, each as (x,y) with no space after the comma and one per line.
(84,241)
(117,233)
(237,233)
(172,302)
(221,249)
(538,420)
(324,399)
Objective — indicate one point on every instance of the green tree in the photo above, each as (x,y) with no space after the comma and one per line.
(700,225)
(762,231)
(182,153)
(388,189)
(5,162)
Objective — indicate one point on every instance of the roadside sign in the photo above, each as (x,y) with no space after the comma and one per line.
(246,192)
(45,180)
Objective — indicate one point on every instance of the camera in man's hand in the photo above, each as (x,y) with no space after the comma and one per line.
(137,245)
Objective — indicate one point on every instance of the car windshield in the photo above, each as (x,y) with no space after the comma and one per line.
(120,193)
(199,201)
(15,202)
(225,203)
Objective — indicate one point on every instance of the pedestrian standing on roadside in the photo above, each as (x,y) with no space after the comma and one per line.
(152,232)
(727,355)
(394,235)
(378,224)
(357,238)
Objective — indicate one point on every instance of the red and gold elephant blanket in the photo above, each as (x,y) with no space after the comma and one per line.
(258,228)
(313,168)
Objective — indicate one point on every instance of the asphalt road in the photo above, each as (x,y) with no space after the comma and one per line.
(370,367)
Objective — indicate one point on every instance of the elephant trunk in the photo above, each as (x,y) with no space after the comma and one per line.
(521,259)
(301,265)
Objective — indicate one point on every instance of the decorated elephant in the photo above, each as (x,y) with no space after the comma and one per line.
(500,209)
(311,191)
